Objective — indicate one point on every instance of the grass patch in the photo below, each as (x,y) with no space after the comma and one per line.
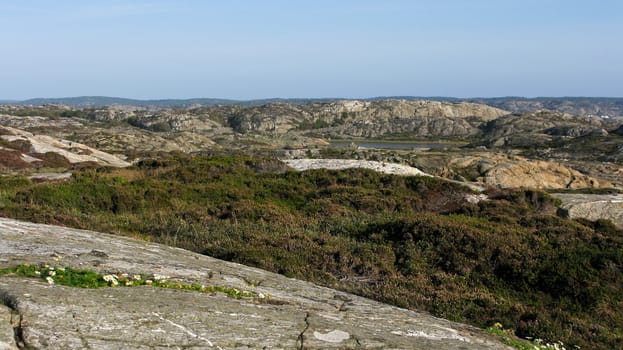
(67,276)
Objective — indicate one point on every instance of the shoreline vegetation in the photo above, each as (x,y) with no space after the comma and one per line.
(411,241)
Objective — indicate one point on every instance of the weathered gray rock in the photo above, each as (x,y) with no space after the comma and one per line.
(382,167)
(7,335)
(592,206)
(297,314)
(341,164)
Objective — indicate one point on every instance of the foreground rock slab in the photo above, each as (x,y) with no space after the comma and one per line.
(287,314)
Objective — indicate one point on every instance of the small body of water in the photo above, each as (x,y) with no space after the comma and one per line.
(393,145)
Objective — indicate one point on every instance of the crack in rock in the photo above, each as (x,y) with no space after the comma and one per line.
(357,341)
(342,307)
(301,336)
(17,324)
(18,330)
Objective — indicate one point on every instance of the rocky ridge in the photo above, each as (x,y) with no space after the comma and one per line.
(367,119)
(539,127)
(111,135)
(283,314)
(582,106)
(512,171)
(23,148)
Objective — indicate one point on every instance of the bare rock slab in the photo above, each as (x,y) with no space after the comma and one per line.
(7,322)
(593,206)
(297,315)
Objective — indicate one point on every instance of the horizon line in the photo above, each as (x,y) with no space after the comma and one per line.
(307,98)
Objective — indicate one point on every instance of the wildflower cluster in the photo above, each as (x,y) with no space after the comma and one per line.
(530,344)
(89,279)
(539,344)
(125,279)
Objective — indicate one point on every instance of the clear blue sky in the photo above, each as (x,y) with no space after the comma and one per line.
(245,49)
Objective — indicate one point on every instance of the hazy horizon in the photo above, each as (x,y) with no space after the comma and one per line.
(247,50)
(2,100)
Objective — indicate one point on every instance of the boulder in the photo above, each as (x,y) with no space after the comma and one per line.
(592,206)
(511,171)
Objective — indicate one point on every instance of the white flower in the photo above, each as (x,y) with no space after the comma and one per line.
(38,273)
(51,268)
(124,275)
(50,280)
(158,277)
(137,277)
(52,273)
(111,279)
(149,282)
(128,283)
(261,295)
(62,269)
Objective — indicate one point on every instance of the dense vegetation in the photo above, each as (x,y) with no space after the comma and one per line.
(410,241)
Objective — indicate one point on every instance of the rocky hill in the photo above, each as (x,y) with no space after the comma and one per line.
(583,106)
(209,304)
(368,119)
(539,127)
(21,149)
(106,130)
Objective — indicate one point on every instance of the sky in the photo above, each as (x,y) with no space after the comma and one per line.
(250,49)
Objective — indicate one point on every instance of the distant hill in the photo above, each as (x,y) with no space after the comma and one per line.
(98,101)
(583,106)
